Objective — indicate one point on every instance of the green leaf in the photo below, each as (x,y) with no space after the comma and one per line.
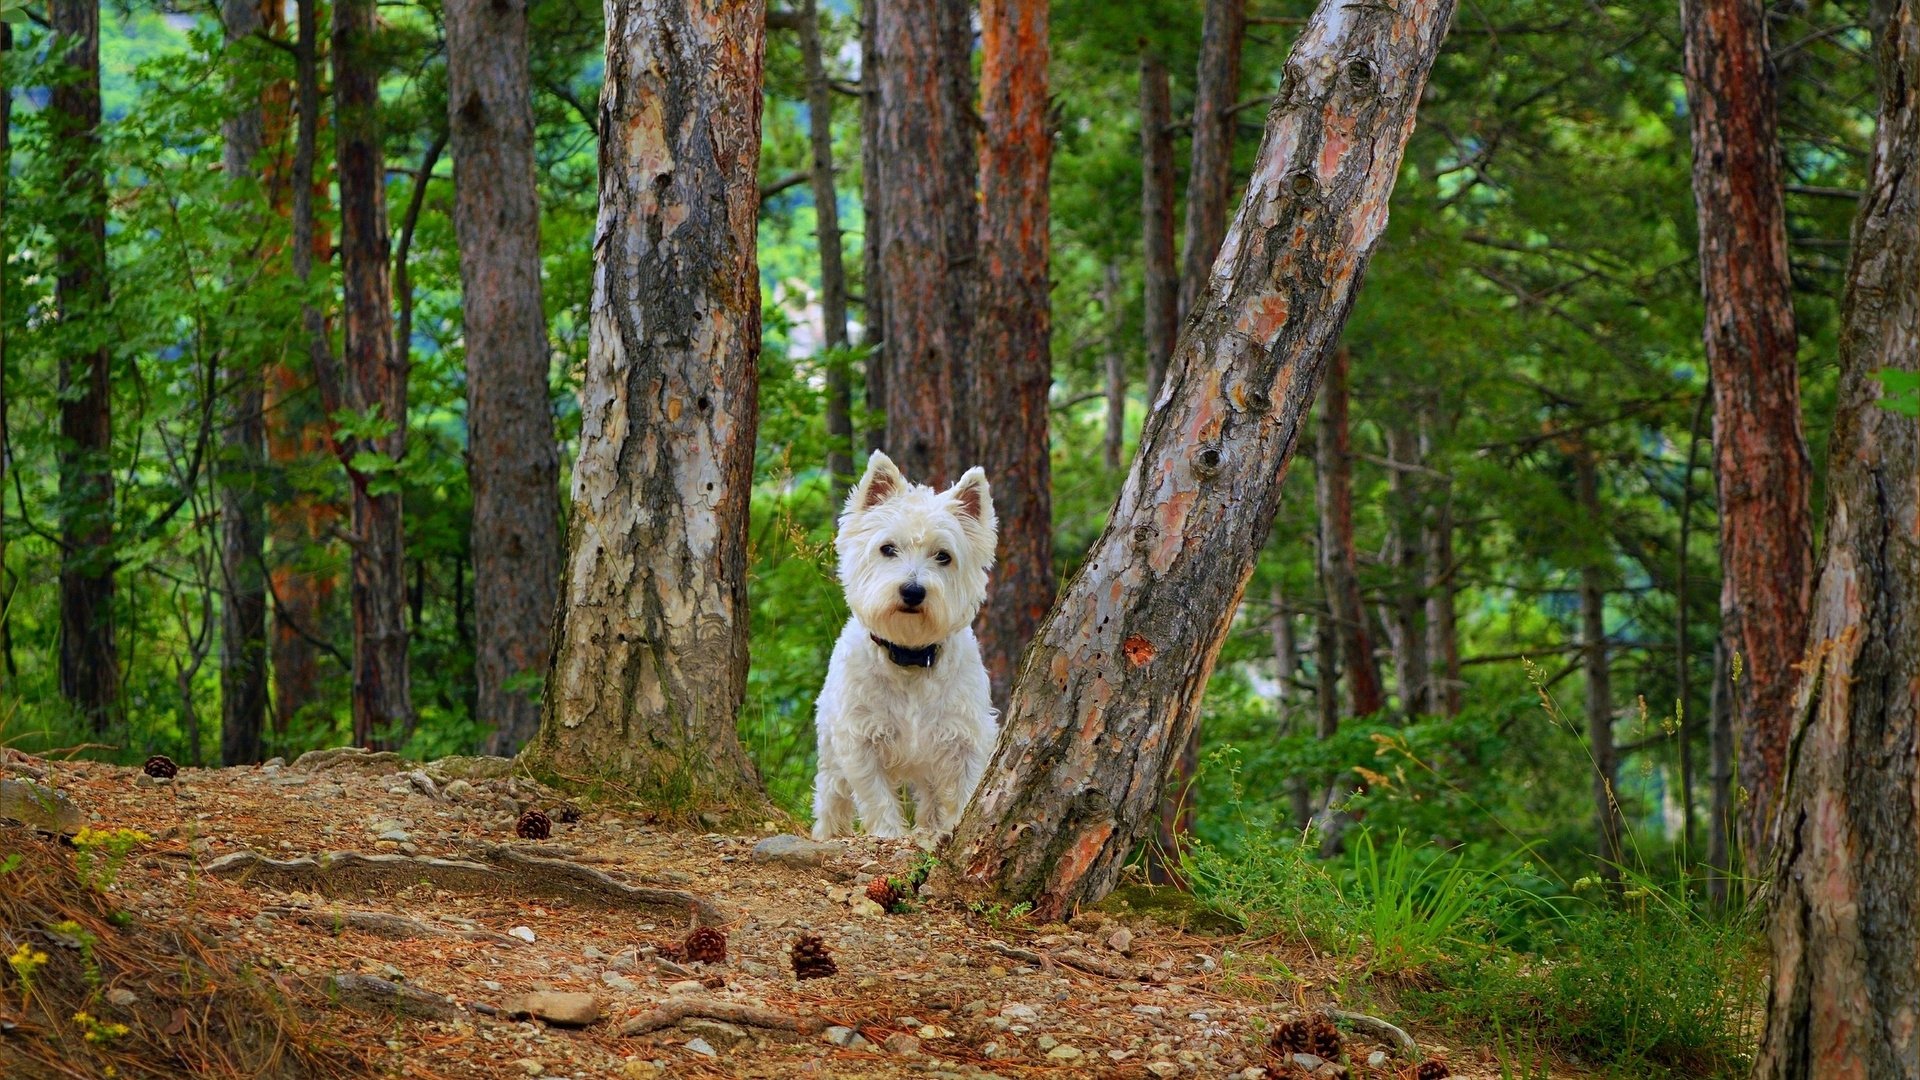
(1901,391)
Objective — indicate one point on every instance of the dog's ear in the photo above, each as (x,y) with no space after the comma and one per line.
(882,481)
(973,503)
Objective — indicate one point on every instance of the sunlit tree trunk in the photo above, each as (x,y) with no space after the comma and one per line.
(1443,638)
(89,664)
(1407,494)
(372,384)
(924,146)
(1111,688)
(1223,32)
(1334,473)
(513,462)
(650,659)
(1593,644)
(6,182)
(1844,1000)
(241,472)
(1158,267)
(1115,441)
(873,222)
(1766,529)
(833,274)
(1012,361)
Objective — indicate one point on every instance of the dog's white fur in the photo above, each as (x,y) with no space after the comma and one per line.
(882,726)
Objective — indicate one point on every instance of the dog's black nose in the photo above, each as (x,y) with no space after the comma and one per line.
(913,592)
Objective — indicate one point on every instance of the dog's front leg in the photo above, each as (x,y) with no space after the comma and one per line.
(873,793)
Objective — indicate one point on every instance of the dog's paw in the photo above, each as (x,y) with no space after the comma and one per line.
(887,830)
(928,839)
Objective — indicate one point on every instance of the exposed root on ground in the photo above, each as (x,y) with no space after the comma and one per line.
(381,924)
(673,1012)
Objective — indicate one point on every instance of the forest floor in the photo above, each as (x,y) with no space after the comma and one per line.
(414,961)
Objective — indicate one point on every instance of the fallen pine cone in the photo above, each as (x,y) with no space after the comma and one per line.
(1432,1069)
(533,825)
(885,892)
(566,813)
(1314,1035)
(160,766)
(811,959)
(705,946)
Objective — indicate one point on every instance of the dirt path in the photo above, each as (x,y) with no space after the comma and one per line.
(451,919)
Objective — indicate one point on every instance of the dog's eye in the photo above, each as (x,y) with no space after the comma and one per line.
(889,551)
(942,558)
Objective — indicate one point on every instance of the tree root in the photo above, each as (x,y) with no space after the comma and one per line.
(673,1012)
(370,993)
(1077,959)
(353,756)
(1375,1028)
(511,874)
(382,924)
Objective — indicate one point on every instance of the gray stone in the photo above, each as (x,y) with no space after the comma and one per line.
(1064,1053)
(686,986)
(39,806)
(1163,1068)
(122,997)
(794,850)
(398,836)
(1377,1059)
(617,981)
(901,1043)
(701,1047)
(1121,941)
(556,1007)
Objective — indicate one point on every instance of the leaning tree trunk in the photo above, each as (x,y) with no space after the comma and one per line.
(650,659)
(1158,267)
(1766,529)
(1114,443)
(1012,364)
(1112,685)
(89,665)
(243,606)
(1593,646)
(373,384)
(924,146)
(826,233)
(1223,32)
(513,462)
(1845,919)
(1334,458)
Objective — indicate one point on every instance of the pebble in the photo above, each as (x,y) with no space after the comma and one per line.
(1046,1042)
(122,997)
(1121,941)
(794,850)
(1014,1010)
(901,1043)
(1064,1052)
(686,986)
(557,1007)
(530,1066)
(1377,1059)
(701,1047)
(636,1069)
(617,981)
(1149,1010)
(1163,1068)
(524,933)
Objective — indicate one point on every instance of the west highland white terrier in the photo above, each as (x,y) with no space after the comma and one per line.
(906,701)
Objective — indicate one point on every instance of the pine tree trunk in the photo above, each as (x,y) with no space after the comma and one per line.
(1593,642)
(650,659)
(6,433)
(513,463)
(1443,638)
(1766,529)
(1845,916)
(873,220)
(833,273)
(241,471)
(1116,363)
(89,663)
(1110,689)
(1720,826)
(1012,361)
(929,220)
(1286,663)
(1159,269)
(1223,32)
(373,383)
(1410,668)
(303,596)
(1334,460)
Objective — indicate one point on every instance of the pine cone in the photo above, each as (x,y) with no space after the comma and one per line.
(705,946)
(811,960)
(1289,1037)
(161,766)
(534,825)
(1314,1035)
(1432,1069)
(566,813)
(884,892)
(1323,1039)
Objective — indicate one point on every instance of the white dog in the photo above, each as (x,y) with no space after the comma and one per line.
(906,701)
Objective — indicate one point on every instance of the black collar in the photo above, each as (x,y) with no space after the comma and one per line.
(923,656)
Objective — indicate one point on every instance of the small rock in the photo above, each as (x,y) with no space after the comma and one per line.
(619,982)
(1121,941)
(867,908)
(632,1070)
(423,784)
(1064,1053)
(1309,1062)
(122,997)
(794,850)
(839,1036)
(1163,1068)
(1046,1042)
(992,1050)
(1014,1010)
(530,1066)
(717,1031)
(143,780)
(1377,1059)
(996,971)
(701,1047)
(557,1007)
(686,986)
(1149,1010)
(398,836)
(901,1043)
(934,1031)
(524,933)
(460,789)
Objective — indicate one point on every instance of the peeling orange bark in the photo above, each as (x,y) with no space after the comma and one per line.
(1055,819)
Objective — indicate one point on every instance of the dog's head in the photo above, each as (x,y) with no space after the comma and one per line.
(913,560)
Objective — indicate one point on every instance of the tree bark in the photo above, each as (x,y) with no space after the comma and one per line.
(1720,826)
(1766,529)
(89,663)
(513,463)
(243,607)
(650,659)
(929,221)
(1116,363)
(833,273)
(873,221)
(6,433)
(1012,358)
(303,596)
(373,384)
(1112,684)
(1410,668)
(1593,643)
(1223,32)
(1443,639)
(1161,273)
(1333,452)
(1844,925)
